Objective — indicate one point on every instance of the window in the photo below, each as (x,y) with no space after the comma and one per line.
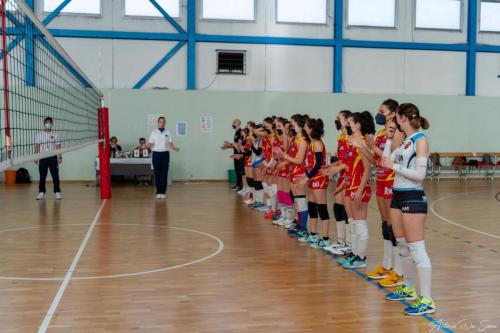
(372,13)
(146,8)
(300,11)
(92,7)
(490,16)
(231,62)
(238,10)
(438,14)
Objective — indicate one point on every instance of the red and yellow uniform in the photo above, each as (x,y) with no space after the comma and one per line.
(385,177)
(267,150)
(248,147)
(296,170)
(318,181)
(354,174)
(342,148)
(284,172)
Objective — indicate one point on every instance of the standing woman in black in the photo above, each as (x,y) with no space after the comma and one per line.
(161,143)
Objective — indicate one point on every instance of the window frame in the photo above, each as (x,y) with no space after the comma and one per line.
(356,26)
(149,17)
(202,19)
(462,20)
(62,13)
(327,10)
(479,17)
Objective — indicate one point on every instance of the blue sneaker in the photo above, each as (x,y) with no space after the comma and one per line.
(356,263)
(348,259)
(308,239)
(402,294)
(321,244)
(299,233)
(276,217)
(257,205)
(421,306)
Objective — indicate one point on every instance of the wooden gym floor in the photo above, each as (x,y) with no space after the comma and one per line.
(203,262)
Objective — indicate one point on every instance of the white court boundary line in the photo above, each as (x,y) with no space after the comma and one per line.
(219,249)
(57,299)
(454,223)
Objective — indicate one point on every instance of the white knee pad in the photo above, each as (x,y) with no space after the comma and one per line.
(301,204)
(402,248)
(419,254)
(362,230)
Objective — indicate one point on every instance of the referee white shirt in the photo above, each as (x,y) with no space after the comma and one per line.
(48,141)
(161,141)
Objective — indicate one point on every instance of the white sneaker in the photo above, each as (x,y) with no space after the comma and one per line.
(158,196)
(242,192)
(40,196)
(278,221)
(249,201)
(58,196)
(163,196)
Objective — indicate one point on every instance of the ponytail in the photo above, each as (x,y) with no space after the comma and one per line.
(412,112)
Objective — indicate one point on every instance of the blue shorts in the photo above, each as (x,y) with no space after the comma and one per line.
(256,163)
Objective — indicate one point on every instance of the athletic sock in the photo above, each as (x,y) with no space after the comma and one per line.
(388,254)
(397,261)
(341,232)
(354,237)
(408,267)
(363,237)
(423,266)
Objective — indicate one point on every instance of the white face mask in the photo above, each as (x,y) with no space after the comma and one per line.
(48,125)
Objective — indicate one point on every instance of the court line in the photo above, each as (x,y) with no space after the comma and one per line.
(57,299)
(219,249)
(432,205)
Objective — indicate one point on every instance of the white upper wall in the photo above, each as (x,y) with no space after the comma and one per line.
(122,63)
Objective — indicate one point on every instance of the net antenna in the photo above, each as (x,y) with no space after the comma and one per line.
(39,79)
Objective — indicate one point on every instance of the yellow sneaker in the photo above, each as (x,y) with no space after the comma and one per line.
(379,273)
(392,280)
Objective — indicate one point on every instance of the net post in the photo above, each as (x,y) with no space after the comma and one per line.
(5,75)
(104,153)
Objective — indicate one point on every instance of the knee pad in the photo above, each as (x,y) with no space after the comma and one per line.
(402,248)
(385,230)
(250,182)
(392,238)
(419,254)
(292,196)
(323,212)
(301,203)
(338,212)
(258,186)
(313,210)
(362,230)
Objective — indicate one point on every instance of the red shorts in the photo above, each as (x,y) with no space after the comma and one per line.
(384,188)
(318,183)
(367,194)
(283,172)
(295,176)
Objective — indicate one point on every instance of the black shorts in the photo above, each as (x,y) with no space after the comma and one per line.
(409,202)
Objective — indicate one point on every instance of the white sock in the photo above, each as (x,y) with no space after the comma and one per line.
(268,202)
(289,214)
(397,261)
(363,237)
(423,265)
(408,267)
(348,239)
(259,194)
(388,254)
(341,231)
(354,236)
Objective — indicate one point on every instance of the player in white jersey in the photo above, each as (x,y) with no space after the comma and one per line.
(409,209)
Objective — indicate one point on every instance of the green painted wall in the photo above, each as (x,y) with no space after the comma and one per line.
(457,123)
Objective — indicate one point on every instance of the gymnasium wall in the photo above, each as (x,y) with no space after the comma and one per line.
(120,64)
(457,123)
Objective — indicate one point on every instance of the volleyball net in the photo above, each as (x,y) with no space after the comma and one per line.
(38,79)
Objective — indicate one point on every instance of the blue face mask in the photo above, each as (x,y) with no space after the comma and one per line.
(380,119)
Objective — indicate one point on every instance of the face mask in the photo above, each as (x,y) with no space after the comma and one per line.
(349,130)
(280,131)
(338,124)
(48,125)
(234,126)
(380,119)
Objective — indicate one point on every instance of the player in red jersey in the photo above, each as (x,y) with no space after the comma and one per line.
(318,186)
(296,158)
(358,190)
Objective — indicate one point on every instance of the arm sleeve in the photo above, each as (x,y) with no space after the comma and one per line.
(418,174)
(257,151)
(317,165)
(387,148)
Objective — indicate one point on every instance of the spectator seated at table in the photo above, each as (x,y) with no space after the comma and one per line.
(142,146)
(115,148)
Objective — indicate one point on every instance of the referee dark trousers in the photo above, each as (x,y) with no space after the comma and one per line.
(44,165)
(161,163)
(239,168)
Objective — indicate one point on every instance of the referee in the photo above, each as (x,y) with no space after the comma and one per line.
(47,141)
(161,143)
